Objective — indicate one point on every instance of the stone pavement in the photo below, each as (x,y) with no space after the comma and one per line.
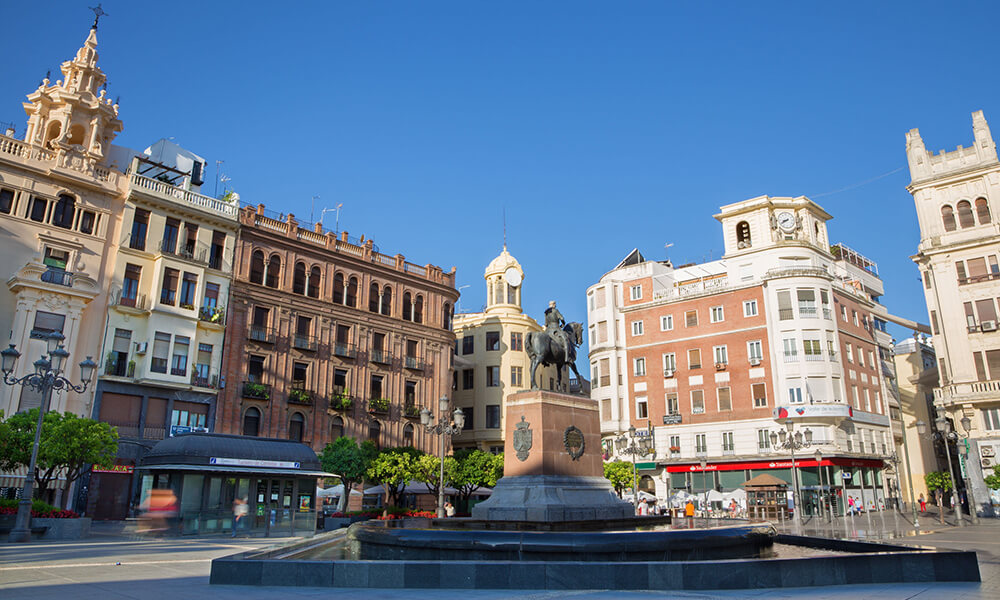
(112,566)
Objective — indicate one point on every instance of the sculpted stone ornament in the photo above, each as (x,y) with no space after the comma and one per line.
(573,440)
(554,346)
(522,439)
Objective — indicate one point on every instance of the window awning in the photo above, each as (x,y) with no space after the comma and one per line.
(229,469)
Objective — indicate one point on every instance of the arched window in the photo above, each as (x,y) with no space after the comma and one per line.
(296,426)
(338,288)
(983,211)
(387,301)
(408,435)
(965,217)
(418,310)
(273,271)
(52,134)
(62,215)
(77,134)
(743,234)
(375,432)
(251,422)
(352,293)
(373,298)
(336,428)
(948,217)
(498,290)
(407,306)
(314,277)
(446,316)
(489,292)
(257,267)
(299,279)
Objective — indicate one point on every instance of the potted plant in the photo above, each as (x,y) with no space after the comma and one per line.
(187,306)
(341,400)
(299,395)
(378,405)
(675,448)
(412,411)
(131,368)
(256,390)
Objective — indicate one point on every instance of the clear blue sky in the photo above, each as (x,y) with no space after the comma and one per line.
(609,125)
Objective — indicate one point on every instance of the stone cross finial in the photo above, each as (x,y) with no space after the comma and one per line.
(98,13)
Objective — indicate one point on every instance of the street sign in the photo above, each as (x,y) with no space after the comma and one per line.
(671,419)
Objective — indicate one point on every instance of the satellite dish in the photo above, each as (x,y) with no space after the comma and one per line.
(512,276)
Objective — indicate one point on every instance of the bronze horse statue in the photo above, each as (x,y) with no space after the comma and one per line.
(543,350)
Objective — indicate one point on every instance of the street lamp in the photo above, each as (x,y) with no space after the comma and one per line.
(635,445)
(944,431)
(793,440)
(823,504)
(46,377)
(442,429)
(963,449)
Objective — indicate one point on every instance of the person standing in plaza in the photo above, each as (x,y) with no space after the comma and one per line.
(923,503)
(240,511)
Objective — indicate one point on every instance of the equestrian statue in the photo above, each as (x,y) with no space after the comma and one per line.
(554,346)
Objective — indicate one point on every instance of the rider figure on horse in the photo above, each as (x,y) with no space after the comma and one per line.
(554,324)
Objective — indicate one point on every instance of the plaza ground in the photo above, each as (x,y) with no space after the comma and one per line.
(112,565)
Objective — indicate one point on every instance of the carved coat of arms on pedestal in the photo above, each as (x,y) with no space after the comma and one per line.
(522,439)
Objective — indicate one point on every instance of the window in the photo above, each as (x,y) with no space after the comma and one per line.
(717,314)
(516,341)
(468,344)
(492,416)
(387,301)
(825,300)
(850,353)
(296,426)
(258,327)
(991,418)
(983,211)
(64,211)
(492,341)
(299,278)
(743,235)
(965,217)
(38,208)
(868,399)
(755,351)
(273,271)
(470,418)
(791,349)
(948,217)
(871,355)
(161,352)
(251,422)
(639,365)
(728,447)
(794,394)
(118,357)
(178,363)
(468,379)
(375,387)
(813,350)
(636,327)
(130,285)
(46,323)
(340,380)
(721,355)
(375,433)
(6,201)
(672,403)
(843,312)
(854,314)
(691,318)
(410,393)
(694,358)
(211,299)
(697,402)
(257,267)
(203,365)
(759,393)
(675,445)
(669,361)
(641,408)
(255,368)
(700,444)
(750,308)
(189,286)
(725,398)
(140,224)
(763,440)
(517,376)
(635,292)
(407,306)
(492,376)
(605,369)
(854,395)
(168,293)
(351,297)
(666,322)
(785,311)
(337,429)
(170,231)
(216,250)
(807,303)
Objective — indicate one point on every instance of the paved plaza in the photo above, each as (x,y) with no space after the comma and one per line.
(113,565)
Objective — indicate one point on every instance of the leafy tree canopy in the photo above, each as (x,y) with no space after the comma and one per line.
(344,457)
(619,473)
(393,468)
(993,481)
(427,469)
(476,469)
(937,480)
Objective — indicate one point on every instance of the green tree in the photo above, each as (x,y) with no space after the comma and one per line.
(427,469)
(476,469)
(69,445)
(349,461)
(993,481)
(619,473)
(393,468)
(937,480)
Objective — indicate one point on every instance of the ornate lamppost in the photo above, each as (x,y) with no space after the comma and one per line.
(823,504)
(792,440)
(635,445)
(945,433)
(442,429)
(963,449)
(46,377)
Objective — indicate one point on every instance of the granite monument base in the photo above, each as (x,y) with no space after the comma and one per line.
(553,498)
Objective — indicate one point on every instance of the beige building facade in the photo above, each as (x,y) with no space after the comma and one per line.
(490,358)
(956,195)
(916,372)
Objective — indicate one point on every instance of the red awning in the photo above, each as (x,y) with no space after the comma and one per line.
(778,464)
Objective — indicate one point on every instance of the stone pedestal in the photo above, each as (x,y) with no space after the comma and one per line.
(553,469)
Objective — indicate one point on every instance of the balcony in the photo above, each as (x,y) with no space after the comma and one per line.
(119,368)
(791,357)
(215,315)
(258,333)
(381,357)
(814,357)
(299,394)
(304,342)
(413,363)
(344,350)
(57,276)
(412,411)
(195,253)
(341,400)
(202,378)
(256,391)
(178,371)
(978,278)
(728,451)
(379,406)
(156,188)
(785,314)
(967,392)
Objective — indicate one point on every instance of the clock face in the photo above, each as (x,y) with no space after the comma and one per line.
(786,221)
(512,276)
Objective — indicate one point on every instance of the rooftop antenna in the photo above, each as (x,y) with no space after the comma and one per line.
(218,168)
(666,254)
(98,13)
(504,227)
(312,212)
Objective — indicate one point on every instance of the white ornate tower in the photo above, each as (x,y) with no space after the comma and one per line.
(73,118)
(503,284)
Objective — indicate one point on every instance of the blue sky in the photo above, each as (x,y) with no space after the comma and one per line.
(605,125)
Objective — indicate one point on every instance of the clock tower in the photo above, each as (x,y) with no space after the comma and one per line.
(767,222)
(503,284)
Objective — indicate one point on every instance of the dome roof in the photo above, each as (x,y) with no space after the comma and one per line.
(501,263)
(200,448)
